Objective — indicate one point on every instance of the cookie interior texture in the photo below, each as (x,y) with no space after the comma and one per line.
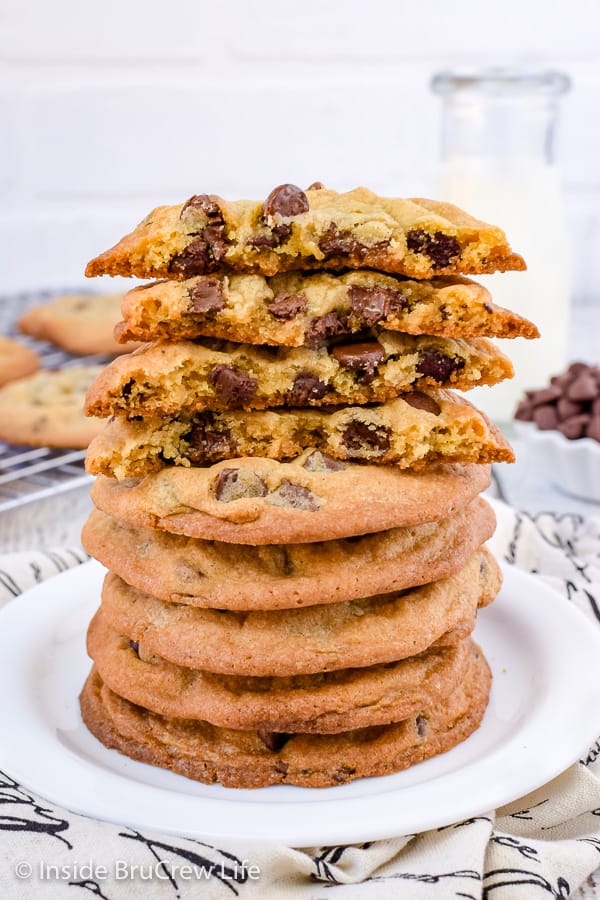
(298,309)
(411,432)
(165,378)
(323,230)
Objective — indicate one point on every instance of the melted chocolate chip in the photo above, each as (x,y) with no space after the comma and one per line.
(135,646)
(128,387)
(435,364)
(274,740)
(204,204)
(362,359)
(282,767)
(205,296)
(371,305)
(307,388)
(322,329)
(295,496)
(421,723)
(360,436)
(207,250)
(234,387)
(321,462)
(287,306)
(272,239)
(419,400)
(238,484)
(439,247)
(207,441)
(339,243)
(194,260)
(285,200)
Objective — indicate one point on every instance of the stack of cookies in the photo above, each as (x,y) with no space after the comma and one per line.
(287,499)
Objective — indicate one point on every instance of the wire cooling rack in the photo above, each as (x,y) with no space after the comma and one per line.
(33,473)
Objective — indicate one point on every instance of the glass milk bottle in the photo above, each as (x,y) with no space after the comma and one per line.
(498,129)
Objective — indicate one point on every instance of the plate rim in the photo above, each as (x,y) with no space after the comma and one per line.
(377,827)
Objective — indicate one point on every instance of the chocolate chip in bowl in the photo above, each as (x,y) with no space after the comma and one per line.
(561,423)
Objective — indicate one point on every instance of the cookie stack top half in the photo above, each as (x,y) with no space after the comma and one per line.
(304,337)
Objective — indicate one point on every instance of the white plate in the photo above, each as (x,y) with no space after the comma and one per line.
(546,662)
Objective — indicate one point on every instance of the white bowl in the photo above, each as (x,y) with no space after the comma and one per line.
(571,466)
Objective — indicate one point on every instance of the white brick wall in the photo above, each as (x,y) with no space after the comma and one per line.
(109,107)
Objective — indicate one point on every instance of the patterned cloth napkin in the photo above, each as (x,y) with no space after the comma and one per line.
(545,844)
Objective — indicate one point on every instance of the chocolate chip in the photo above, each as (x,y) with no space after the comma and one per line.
(363,358)
(294,495)
(238,484)
(545,417)
(321,462)
(282,767)
(439,247)
(287,306)
(271,239)
(322,329)
(419,400)
(205,296)
(285,200)
(233,386)
(204,217)
(203,203)
(208,441)
(274,740)
(334,242)
(566,408)
(128,387)
(135,646)
(421,723)
(372,304)
(194,260)
(524,411)
(593,429)
(307,388)
(343,774)
(360,436)
(547,395)
(437,365)
(575,427)
(316,186)
(583,388)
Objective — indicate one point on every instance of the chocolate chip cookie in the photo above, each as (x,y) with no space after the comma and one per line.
(46,409)
(295,309)
(321,638)
(412,432)
(262,501)
(164,378)
(279,576)
(313,229)
(249,759)
(328,702)
(79,323)
(16,360)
